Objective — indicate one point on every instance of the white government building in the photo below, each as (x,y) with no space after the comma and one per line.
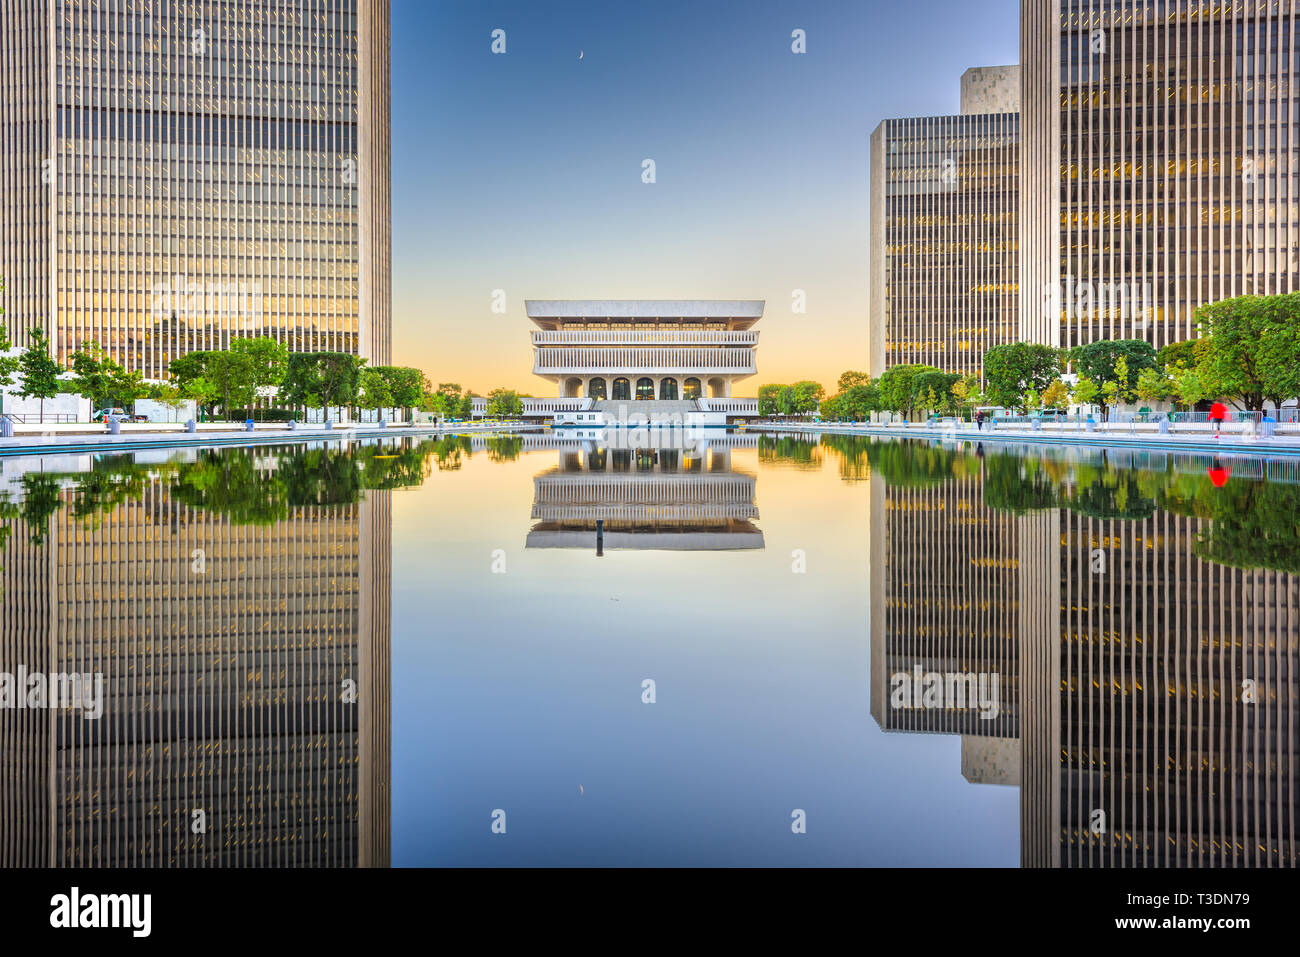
(668,356)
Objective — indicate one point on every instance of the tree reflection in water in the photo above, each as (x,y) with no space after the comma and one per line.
(1250,522)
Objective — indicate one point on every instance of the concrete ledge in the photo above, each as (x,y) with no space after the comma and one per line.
(222,434)
(1198,442)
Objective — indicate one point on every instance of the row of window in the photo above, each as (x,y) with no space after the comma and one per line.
(645,388)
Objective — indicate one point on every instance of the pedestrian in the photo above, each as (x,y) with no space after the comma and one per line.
(979,421)
(1218,474)
(1218,412)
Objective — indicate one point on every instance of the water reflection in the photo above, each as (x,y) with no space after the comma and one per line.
(616,490)
(1141,612)
(237,605)
(1114,633)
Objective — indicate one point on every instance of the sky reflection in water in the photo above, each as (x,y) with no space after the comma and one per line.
(771,587)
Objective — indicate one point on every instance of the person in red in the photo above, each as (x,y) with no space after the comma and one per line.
(1218,412)
(1218,474)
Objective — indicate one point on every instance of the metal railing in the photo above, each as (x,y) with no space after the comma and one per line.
(747,406)
(634,360)
(624,337)
(50,418)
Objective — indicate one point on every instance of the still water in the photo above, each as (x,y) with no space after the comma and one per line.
(649,649)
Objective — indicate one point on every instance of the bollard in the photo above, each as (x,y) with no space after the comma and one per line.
(190,426)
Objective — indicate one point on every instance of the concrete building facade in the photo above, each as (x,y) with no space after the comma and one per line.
(228,736)
(178,175)
(656,349)
(944,230)
(1159,161)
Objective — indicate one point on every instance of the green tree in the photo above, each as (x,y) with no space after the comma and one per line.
(40,501)
(1118,391)
(850,379)
(1182,353)
(8,363)
(1099,360)
(168,394)
(934,390)
(859,401)
(1012,370)
(1153,385)
(37,370)
(967,392)
(767,399)
(1189,386)
(321,380)
(265,359)
(1233,330)
(340,375)
(100,378)
(373,391)
(408,386)
(231,374)
(453,403)
(504,403)
(202,390)
(1056,396)
(785,401)
(806,396)
(1085,391)
(897,390)
(1277,354)
(91,373)
(188,375)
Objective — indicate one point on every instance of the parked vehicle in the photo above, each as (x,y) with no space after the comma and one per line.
(102,415)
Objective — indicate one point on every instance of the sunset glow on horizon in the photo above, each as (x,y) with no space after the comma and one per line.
(522,171)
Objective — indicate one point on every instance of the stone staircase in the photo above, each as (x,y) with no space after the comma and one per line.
(654,408)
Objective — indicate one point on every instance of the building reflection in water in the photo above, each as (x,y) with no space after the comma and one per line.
(669,489)
(1151,684)
(245,655)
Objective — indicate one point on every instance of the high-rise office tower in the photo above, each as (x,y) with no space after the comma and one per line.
(177,174)
(944,573)
(243,644)
(944,210)
(1159,710)
(1158,167)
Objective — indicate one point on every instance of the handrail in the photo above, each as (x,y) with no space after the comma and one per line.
(617,336)
(50,418)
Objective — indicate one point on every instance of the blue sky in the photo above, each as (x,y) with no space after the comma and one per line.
(522,171)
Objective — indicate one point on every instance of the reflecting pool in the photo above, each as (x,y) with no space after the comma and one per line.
(649,648)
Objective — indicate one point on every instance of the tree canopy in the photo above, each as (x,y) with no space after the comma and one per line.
(1016,368)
